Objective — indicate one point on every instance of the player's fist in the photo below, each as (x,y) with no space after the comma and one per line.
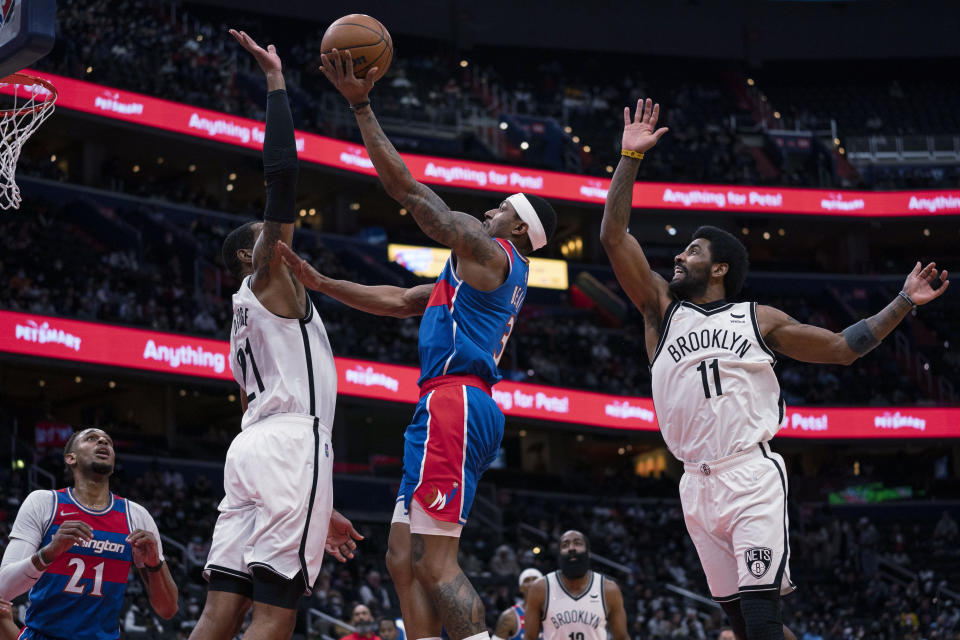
(145,548)
(70,533)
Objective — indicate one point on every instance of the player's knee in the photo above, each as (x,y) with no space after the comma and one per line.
(735,617)
(761,615)
(398,562)
(428,569)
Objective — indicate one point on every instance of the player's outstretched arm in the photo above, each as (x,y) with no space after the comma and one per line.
(646,288)
(461,232)
(274,287)
(808,343)
(382,300)
(616,614)
(536,605)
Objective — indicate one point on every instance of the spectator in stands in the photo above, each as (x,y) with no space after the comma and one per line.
(387,630)
(946,529)
(372,593)
(364,626)
(504,562)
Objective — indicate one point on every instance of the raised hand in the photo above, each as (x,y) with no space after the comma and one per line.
(145,550)
(70,533)
(267,58)
(919,284)
(341,537)
(642,134)
(338,67)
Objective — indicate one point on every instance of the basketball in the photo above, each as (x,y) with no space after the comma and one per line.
(367,40)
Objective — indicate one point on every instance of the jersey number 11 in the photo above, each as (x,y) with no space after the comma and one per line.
(715,366)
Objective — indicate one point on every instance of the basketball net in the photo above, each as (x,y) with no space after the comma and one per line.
(33,102)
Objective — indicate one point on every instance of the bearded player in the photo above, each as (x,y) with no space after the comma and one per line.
(716,395)
(72,550)
(575,603)
(467,320)
(510,623)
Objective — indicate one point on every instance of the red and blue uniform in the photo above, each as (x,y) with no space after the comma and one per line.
(457,427)
(81,592)
(517,609)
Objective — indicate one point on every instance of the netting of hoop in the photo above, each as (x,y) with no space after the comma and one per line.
(33,102)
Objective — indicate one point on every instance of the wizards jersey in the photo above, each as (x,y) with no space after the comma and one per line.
(464,331)
(518,611)
(81,592)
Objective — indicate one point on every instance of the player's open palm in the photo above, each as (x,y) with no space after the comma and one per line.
(341,537)
(300,268)
(919,284)
(642,134)
(338,67)
(266,58)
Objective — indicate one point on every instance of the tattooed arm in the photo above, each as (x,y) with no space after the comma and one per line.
(808,343)
(646,288)
(480,261)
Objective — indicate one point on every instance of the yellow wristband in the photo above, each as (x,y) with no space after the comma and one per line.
(631,154)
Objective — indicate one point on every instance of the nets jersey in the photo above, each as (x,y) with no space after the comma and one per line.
(81,592)
(464,331)
(581,618)
(284,365)
(714,388)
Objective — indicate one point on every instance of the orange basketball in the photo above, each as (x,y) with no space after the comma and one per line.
(367,40)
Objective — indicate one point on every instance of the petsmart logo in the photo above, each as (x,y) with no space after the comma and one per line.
(356,160)
(438,500)
(624,410)
(112,103)
(899,421)
(44,333)
(836,203)
(368,377)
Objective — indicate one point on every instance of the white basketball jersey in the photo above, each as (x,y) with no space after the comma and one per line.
(570,618)
(714,388)
(284,365)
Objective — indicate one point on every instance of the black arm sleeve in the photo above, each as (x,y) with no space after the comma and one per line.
(280,164)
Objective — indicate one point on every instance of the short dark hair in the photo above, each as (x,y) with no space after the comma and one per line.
(724,247)
(548,217)
(242,237)
(68,448)
(586,540)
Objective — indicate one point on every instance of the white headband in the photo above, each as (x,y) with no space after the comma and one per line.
(525,210)
(529,572)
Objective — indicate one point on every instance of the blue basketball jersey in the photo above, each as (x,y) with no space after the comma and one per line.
(81,593)
(464,331)
(517,609)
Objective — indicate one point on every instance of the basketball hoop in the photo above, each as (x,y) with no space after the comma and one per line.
(33,102)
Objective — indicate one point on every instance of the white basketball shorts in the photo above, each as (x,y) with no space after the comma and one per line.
(278,480)
(735,509)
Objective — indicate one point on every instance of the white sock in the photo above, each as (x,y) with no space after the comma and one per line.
(483,635)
